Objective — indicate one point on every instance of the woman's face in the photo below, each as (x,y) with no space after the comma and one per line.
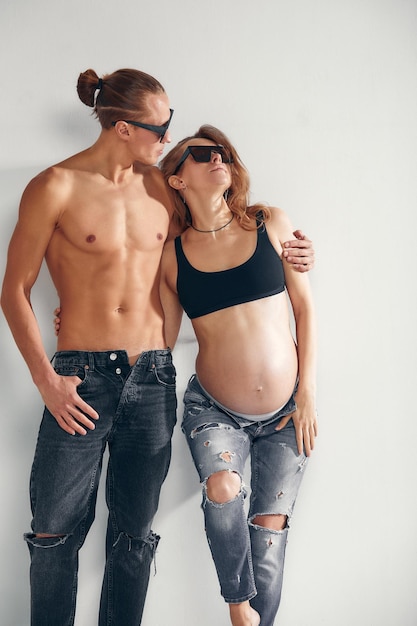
(213,171)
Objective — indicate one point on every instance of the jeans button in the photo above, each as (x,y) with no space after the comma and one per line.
(118,370)
(113,356)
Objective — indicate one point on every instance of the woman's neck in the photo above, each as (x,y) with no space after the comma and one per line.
(209,215)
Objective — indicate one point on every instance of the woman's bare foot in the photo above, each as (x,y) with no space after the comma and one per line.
(244,615)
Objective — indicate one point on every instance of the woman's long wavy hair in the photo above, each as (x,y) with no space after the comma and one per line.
(117,96)
(248,216)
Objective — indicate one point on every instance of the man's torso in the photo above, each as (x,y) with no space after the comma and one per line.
(104,258)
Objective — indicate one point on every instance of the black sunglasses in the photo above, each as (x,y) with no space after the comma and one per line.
(202,154)
(159,130)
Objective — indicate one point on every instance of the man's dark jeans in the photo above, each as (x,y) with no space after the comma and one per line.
(137,409)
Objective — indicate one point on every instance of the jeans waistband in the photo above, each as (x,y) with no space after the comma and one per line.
(246,416)
(109,358)
(289,406)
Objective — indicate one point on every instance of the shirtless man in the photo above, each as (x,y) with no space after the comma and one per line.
(100,219)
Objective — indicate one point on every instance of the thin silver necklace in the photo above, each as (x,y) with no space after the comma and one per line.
(213,230)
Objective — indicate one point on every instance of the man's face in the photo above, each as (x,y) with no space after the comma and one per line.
(147,144)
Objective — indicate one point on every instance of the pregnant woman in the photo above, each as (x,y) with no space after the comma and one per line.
(253,393)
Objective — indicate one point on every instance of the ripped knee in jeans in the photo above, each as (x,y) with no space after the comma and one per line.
(223,486)
(45,540)
(274,521)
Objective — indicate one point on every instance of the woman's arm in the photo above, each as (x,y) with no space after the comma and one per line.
(169,296)
(299,291)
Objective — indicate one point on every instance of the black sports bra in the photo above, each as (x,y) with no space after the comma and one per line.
(201,293)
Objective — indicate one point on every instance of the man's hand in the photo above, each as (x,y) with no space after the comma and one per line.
(299,252)
(63,401)
(68,408)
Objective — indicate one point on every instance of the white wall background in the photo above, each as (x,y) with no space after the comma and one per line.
(320,98)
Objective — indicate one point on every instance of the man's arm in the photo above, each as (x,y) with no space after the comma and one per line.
(299,252)
(37,221)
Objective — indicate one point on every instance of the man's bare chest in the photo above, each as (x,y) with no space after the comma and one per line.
(113,224)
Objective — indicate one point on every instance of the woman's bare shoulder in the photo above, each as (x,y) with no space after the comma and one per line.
(279,224)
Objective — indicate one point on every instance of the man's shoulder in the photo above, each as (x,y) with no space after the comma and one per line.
(66,171)
(148,171)
(155,185)
(58,172)
(52,182)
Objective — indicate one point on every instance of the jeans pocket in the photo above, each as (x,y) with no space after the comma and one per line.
(193,397)
(195,407)
(165,375)
(73,370)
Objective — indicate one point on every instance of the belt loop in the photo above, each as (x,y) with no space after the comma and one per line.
(91,361)
(53,359)
(151,360)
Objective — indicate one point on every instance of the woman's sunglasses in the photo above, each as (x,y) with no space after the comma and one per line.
(203,154)
(159,130)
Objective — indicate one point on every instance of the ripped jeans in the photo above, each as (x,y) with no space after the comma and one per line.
(137,409)
(249,558)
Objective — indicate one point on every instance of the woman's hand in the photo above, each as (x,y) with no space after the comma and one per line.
(305,422)
(57,320)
